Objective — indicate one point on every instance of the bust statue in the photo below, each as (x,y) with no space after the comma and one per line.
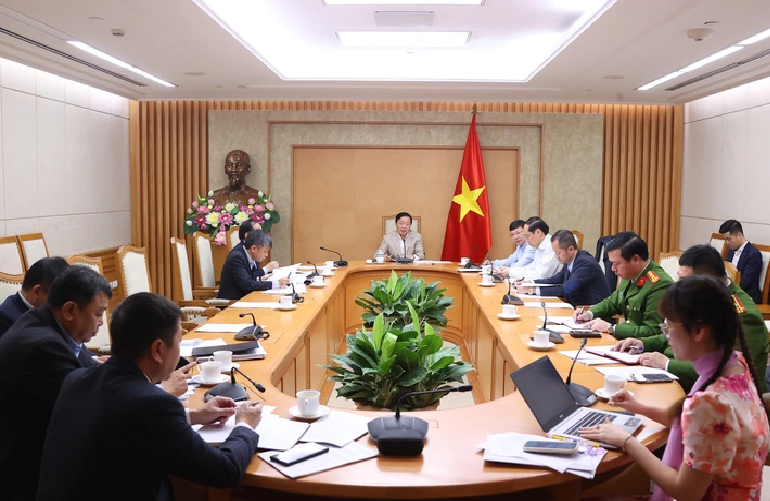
(236,167)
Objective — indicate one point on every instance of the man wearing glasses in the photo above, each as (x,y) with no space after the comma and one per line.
(523,254)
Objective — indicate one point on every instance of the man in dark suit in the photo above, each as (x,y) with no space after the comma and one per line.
(242,274)
(36,354)
(580,280)
(743,256)
(34,290)
(115,435)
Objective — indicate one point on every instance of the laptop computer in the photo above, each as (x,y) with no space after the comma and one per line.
(554,407)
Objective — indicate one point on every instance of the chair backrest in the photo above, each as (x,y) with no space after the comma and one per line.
(33,248)
(764,276)
(182,279)
(233,236)
(11,258)
(204,260)
(102,336)
(133,270)
(669,261)
(578,238)
(389,224)
(10,285)
(732,272)
(719,243)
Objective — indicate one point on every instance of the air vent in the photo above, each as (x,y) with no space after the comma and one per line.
(69,56)
(403,19)
(709,74)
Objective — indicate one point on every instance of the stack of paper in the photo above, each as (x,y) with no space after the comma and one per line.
(351,453)
(338,428)
(187,345)
(530,304)
(588,358)
(215,435)
(509,448)
(635,372)
(275,433)
(619,356)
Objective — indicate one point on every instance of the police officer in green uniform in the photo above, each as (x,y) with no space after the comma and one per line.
(705,260)
(641,288)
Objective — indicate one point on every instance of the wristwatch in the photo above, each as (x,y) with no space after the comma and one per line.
(611,329)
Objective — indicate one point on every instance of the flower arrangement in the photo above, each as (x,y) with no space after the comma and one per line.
(204,215)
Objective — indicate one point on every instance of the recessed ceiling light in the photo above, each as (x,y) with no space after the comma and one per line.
(613,77)
(403,2)
(756,38)
(96,18)
(118,62)
(194,73)
(403,39)
(693,66)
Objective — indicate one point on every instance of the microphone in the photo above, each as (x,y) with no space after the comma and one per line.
(470,264)
(582,395)
(405,435)
(341,262)
(510,298)
(295,298)
(249,333)
(230,389)
(545,310)
(553,337)
(309,277)
(259,387)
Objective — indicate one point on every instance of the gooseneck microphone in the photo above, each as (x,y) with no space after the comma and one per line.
(310,275)
(545,310)
(259,387)
(553,337)
(470,264)
(510,298)
(405,435)
(295,298)
(341,262)
(230,389)
(582,395)
(249,333)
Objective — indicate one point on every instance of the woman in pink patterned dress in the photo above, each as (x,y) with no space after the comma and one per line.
(719,435)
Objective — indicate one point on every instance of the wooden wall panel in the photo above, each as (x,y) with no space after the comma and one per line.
(643,147)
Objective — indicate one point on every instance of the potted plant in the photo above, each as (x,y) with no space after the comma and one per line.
(386,362)
(392,298)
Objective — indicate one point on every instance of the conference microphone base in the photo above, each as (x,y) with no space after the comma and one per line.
(340,263)
(229,389)
(511,299)
(248,333)
(582,395)
(399,436)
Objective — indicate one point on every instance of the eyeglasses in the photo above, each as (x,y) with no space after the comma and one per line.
(665,328)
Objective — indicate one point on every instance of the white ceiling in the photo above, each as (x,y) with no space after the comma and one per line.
(642,40)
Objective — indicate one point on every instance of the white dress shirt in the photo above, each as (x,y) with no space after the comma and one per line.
(737,254)
(253,264)
(544,265)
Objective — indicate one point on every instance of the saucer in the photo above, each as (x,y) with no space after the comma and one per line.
(539,347)
(287,308)
(484,284)
(330,274)
(322,411)
(503,316)
(316,286)
(469,270)
(601,394)
(227,370)
(198,379)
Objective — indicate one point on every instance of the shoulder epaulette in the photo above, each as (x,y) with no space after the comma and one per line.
(738,305)
(654,278)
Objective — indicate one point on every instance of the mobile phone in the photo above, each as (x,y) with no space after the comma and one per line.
(584,333)
(651,378)
(298,454)
(550,447)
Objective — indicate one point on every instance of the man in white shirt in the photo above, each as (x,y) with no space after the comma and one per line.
(523,254)
(743,256)
(544,264)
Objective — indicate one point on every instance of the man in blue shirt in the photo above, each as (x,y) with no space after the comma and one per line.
(524,253)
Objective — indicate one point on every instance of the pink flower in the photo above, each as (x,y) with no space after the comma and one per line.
(220,238)
(222,227)
(203,226)
(189,211)
(217,208)
(258,217)
(211,201)
(200,219)
(249,211)
(251,201)
(269,205)
(226,218)
(259,208)
(243,208)
(202,209)
(256,226)
(195,204)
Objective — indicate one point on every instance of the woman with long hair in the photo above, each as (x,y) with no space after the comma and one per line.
(719,434)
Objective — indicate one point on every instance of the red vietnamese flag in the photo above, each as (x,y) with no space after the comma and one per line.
(468,223)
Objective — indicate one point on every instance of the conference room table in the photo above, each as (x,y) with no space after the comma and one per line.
(451,465)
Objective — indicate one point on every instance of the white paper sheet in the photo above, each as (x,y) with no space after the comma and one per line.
(215,435)
(636,370)
(589,358)
(283,272)
(187,345)
(351,453)
(563,320)
(547,305)
(622,357)
(338,429)
(222,328)
(246,304)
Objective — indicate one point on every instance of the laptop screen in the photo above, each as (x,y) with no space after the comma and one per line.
(544,391)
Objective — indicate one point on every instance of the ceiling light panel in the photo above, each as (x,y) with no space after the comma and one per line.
(117,62)
(343,44)
(403,2)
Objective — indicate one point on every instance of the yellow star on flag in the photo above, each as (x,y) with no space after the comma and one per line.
(467,200)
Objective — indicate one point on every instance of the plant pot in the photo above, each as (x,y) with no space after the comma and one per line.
(361,407)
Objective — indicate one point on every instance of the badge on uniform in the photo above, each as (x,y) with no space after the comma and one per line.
(641,281)
(653,277)
(738,305)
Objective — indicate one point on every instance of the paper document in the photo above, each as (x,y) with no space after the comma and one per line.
(589,358)
(283,272)
(351,453)
(214,435)
(299,288)
(277,433)
(547,305)
(222,328)
(552,319)
(338,429)
(606,351)
(637,371)
(187,345)
(246,304)
(427,261)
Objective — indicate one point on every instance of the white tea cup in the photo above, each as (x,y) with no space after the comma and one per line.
(487,279)
(225,358)
(613,383)
(318,280)
(464,260)
(510,309)
(329,264)
(285,301)
(486,269)
(308,402)
(210,371)
(326,270)
(541,338)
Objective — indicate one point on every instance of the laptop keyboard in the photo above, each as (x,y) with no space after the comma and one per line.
(590,419)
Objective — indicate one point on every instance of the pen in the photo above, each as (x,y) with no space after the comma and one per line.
(634,348)
(559,437)
(582,310)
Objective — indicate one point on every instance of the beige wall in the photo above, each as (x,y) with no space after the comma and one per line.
(571,154)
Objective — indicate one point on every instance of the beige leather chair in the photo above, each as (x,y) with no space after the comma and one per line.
(764,280)
(11,258)
(183,280)
(33,248)
(102,339)
(733,272)
(669,261)
(389,224)
(9,285)
(204,261)
(718,242)
(578,238)
(233,237)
